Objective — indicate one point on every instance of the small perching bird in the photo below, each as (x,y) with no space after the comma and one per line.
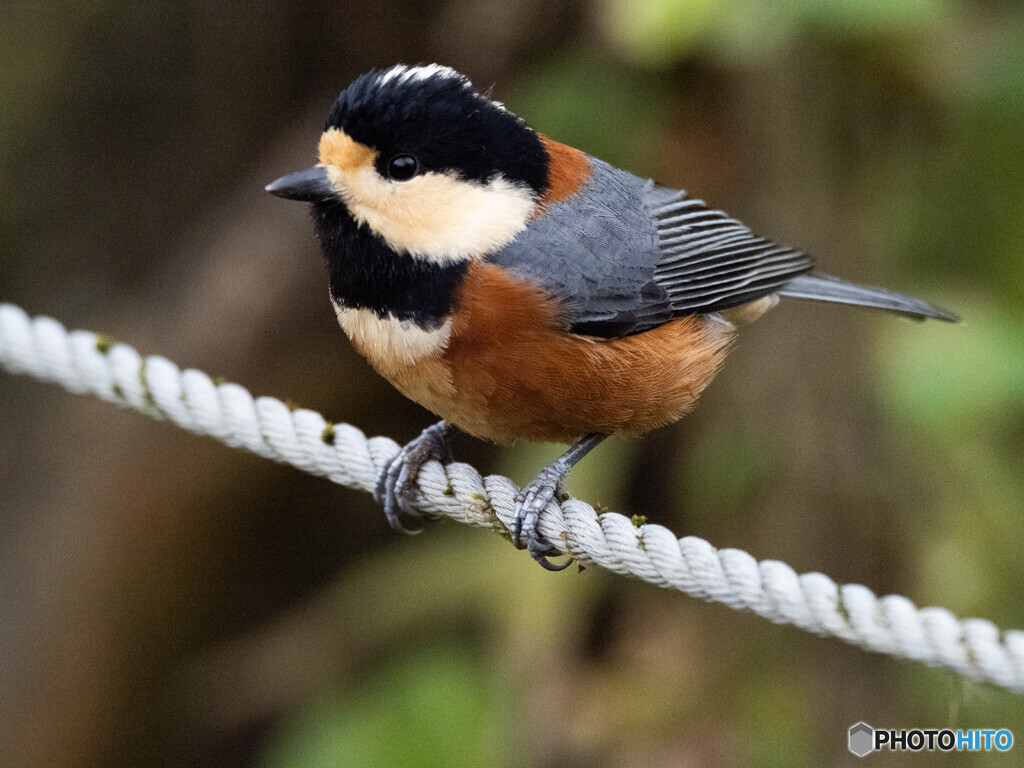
(519,288)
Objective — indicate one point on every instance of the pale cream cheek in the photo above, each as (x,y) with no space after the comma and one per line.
(435,216)
(387,341)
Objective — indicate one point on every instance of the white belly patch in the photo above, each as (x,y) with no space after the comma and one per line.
(388,340)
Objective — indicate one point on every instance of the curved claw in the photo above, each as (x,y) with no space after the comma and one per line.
(396,485)
(540,555)
(531,501)
(394,493)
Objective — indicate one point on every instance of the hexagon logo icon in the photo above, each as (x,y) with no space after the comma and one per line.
(862,739)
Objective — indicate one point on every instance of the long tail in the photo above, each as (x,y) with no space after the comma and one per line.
(821,287)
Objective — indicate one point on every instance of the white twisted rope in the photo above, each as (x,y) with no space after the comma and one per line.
(86,363)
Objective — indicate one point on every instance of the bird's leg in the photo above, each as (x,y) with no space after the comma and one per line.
(397,482)
(538,492)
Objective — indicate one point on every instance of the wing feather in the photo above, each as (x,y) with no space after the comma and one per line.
(711,262)
(623,256)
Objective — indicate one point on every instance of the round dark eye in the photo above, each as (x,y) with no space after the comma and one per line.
(402,167)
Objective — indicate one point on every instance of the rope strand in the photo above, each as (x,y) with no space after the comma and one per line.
(86,363)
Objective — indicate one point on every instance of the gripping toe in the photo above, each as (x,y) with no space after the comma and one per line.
(530,502)
(396,486)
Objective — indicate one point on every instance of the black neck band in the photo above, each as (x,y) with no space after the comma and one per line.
(367,274)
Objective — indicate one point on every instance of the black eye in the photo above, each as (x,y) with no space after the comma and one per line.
(402,167)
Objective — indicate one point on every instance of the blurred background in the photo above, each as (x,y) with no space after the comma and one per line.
(166,601)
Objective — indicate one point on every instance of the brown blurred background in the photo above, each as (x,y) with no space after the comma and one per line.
(166,601)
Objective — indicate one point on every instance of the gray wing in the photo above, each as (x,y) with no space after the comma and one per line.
(711,262)
(625,256)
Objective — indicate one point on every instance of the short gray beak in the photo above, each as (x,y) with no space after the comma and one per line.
(308,186)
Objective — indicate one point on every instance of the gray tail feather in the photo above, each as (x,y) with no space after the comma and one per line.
(821,287)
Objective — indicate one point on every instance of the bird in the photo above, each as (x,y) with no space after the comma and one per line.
(520,288)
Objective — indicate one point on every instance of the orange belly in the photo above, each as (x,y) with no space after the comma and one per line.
(510,370)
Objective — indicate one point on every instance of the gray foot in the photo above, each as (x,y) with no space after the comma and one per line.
(529,503)
(396,485)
